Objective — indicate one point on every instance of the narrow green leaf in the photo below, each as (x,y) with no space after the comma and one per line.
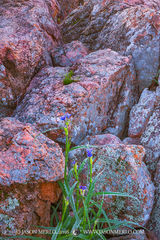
(83,147)
(57,230)
(101,236)
(68,237)
(54,214)
(104,213)
(116,194)
(82,165)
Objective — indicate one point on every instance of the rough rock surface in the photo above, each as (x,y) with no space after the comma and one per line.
(131,141)
(68,6)
(68,54)
(23,158)
(144,123)
(154,221)
(141,113)
(121,169)
(135,236)
(126,26)
(28,32)
(102,139)
(29,169)
(101,99)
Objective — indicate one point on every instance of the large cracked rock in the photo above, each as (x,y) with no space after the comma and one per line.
(30,165)
(141,112)
(144,123)
(126,26)
(100,99)
(28,33)
(121,169)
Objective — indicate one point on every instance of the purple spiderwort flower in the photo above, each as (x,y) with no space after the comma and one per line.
(83,188)
(63,118)
(67,115)
(73,163)
(89,152)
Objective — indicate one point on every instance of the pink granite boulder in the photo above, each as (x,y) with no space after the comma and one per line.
(121,169)
(130,27)
(30,165)
(140,113)
(102,139)
(150,138)
(103,93)
(28,33)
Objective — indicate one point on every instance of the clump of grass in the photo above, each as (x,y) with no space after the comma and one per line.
(68,78)
(156,77)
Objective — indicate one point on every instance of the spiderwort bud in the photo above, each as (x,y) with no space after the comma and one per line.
(68,115)
(75,167)
(89,152)
(66,200)
(82,189)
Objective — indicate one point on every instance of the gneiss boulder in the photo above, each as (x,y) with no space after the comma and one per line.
(144,124)
(126,26)
(28,33)
(30,165)
(100,99)
(121,169)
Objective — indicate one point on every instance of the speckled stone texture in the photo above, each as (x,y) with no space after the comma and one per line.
(68,6)
(125,26)
(28,33)
(29,169)
(135,236)
(24,158)
(154,221)
(131,141)
(144,127)
(102,139)
(23,206)
(150,138)
(141,113)
(68,54)
(121,169)
(101,98)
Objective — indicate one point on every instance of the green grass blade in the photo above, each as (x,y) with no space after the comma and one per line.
(54,214)
(116,194)
(104,213)
(68,222)
(83,147)
(57,230)
(68,237)
(72,188)
(87,215)
(61,184)
(101,236)
(82,165)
